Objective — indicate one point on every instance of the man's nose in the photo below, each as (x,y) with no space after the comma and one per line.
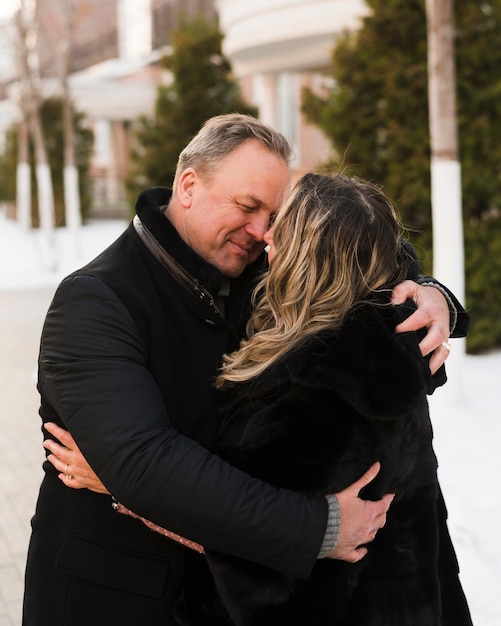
(258,226)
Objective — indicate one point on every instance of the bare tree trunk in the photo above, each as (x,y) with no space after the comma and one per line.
(71,186)
(44,191)
(30,101)
(23,177)
(448,244)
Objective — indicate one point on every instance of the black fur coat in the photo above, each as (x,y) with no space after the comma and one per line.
(315,422)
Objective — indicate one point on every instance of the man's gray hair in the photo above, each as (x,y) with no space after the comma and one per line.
(221,135)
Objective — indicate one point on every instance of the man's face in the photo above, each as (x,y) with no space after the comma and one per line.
(226,214)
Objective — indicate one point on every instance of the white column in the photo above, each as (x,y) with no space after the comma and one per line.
(265,97)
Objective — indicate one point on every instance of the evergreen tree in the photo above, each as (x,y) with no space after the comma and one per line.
(202,87)
(376,115)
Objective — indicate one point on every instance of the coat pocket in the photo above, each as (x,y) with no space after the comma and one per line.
(113,567)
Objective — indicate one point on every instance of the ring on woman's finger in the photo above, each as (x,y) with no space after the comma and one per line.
(66,471)
(446,345)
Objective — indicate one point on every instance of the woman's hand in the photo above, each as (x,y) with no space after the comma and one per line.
(66,457)
(432,313)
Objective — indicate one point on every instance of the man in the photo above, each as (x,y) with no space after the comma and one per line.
(129,350)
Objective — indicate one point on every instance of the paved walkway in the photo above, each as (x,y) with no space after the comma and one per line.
(21,452)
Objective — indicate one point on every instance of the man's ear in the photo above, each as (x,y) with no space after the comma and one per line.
(185,186)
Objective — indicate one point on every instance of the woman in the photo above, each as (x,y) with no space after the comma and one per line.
(323,364)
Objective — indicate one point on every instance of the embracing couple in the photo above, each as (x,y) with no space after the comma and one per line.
(266,408)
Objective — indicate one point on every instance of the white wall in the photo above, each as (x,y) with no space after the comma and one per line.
(284,35)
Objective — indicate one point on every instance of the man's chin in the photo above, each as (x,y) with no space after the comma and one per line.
(232,270)
(232,265)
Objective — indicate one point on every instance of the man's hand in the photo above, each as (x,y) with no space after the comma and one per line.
(67,459)
(360,519)
(432,313)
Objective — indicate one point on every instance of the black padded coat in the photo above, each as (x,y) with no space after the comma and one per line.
(127,362)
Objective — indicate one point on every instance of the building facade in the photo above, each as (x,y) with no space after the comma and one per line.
(276,47)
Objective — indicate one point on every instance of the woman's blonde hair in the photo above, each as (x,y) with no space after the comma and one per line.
(337,240)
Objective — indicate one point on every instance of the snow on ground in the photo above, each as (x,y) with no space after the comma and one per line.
(25,262)
(465,414)
(467,443)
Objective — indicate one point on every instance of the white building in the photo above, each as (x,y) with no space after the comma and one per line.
(275,46)
(279,46)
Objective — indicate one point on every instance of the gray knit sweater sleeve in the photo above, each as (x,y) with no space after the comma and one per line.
(333,526)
